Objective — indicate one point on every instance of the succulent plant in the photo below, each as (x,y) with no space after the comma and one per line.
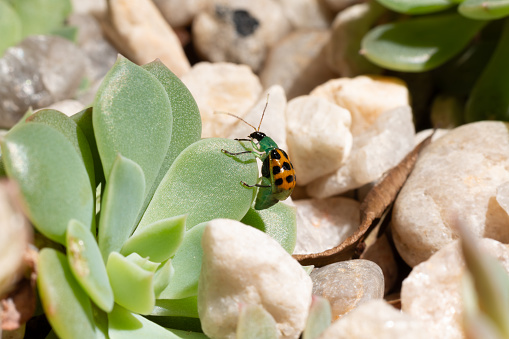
(121,191)
(465,42)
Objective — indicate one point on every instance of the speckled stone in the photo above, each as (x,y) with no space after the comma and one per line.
(461,171)
(180,13)
(381,253)
(306,13)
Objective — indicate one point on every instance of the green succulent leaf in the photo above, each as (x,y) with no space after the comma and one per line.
(484,9)
(188,334)
(132,284)
(204,183)
(187,265)
(419,44)
(41,16)
(278,221)
(132,116)
(186,307)
(123,196)
(319,318)
(10,26)
(87,266)
(126,325)
(158,241)
(417,6)
(52,178)
(162,277)
(256,323)
(65,304)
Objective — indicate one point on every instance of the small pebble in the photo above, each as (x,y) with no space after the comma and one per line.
(374,152)
(222,87)
(339,5)
(180,13)
(94,7)
(432,291)
(244,266)
(467,165)
(306,13)
(381,253)
(378,319)
(325,223)
(348,284)
(319,138)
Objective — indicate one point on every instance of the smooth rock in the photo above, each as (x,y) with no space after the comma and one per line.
(502,196)
(366,97)
(222,87)
(432,291)
(381,253)
(377,319)
(374,152)
(95,7)
(68,107)
(339,5)
(319,138)
(140,31)
(325,223)
(306,13)
(37,72)
(458,172)
(180,13)
(297,62)
(348,29)
(348,284)
(244,266)
(239,31)
(274,119)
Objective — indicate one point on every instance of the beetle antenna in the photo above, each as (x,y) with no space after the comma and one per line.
(266,104)
(233,115)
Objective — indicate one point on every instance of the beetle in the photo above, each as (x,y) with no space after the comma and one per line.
(278,175)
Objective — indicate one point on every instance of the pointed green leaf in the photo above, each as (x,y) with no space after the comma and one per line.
(204,183)
(419,44)
(53,180)
(122,199)
(278,221)
(186,307)
(41,16)
(10,26)
(132,285)
(187,266)
(163,276)
(159,240)
(319,318)
(132,116)
(256,323)
(417,6)
(126,325)
(484,9)
(87,265)
(65,304)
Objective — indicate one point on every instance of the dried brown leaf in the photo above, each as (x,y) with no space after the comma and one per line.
(373,209)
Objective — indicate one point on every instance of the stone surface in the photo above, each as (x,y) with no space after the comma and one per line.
(319,138)
(39,71)
(95,7)
(298,62)
(140,31)
(339,5)
(381,253)
(377,319)
(180,13)
(432,291)
(222,87)
(366,97)
(348,284)
(379,148)
(239,31)
(502,196)
(466,165)
(244,266)
(306,13)
(324,223)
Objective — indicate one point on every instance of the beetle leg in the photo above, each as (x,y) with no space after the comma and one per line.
(255,185)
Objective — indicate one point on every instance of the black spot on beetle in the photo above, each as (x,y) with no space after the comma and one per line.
(276,170)
(289,178)
(279,182)
(275,154)
(245,24)
(287,166)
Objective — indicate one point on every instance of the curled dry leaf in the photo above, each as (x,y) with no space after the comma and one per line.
(373,209)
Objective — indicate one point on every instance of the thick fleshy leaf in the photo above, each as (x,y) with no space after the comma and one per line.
(256,323)
(126,325)
(204,183)
(484,9)
(53,180)
(10,26)
(489,98)
(440,37)
(65,304)
(132,285)
(121,203)
(187,266)
(319,318)
(41,16)
(87,265)
(188,334)
(186,307)
(132,116)
(163,276)
(157,241)
(417,6)
(278,221)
